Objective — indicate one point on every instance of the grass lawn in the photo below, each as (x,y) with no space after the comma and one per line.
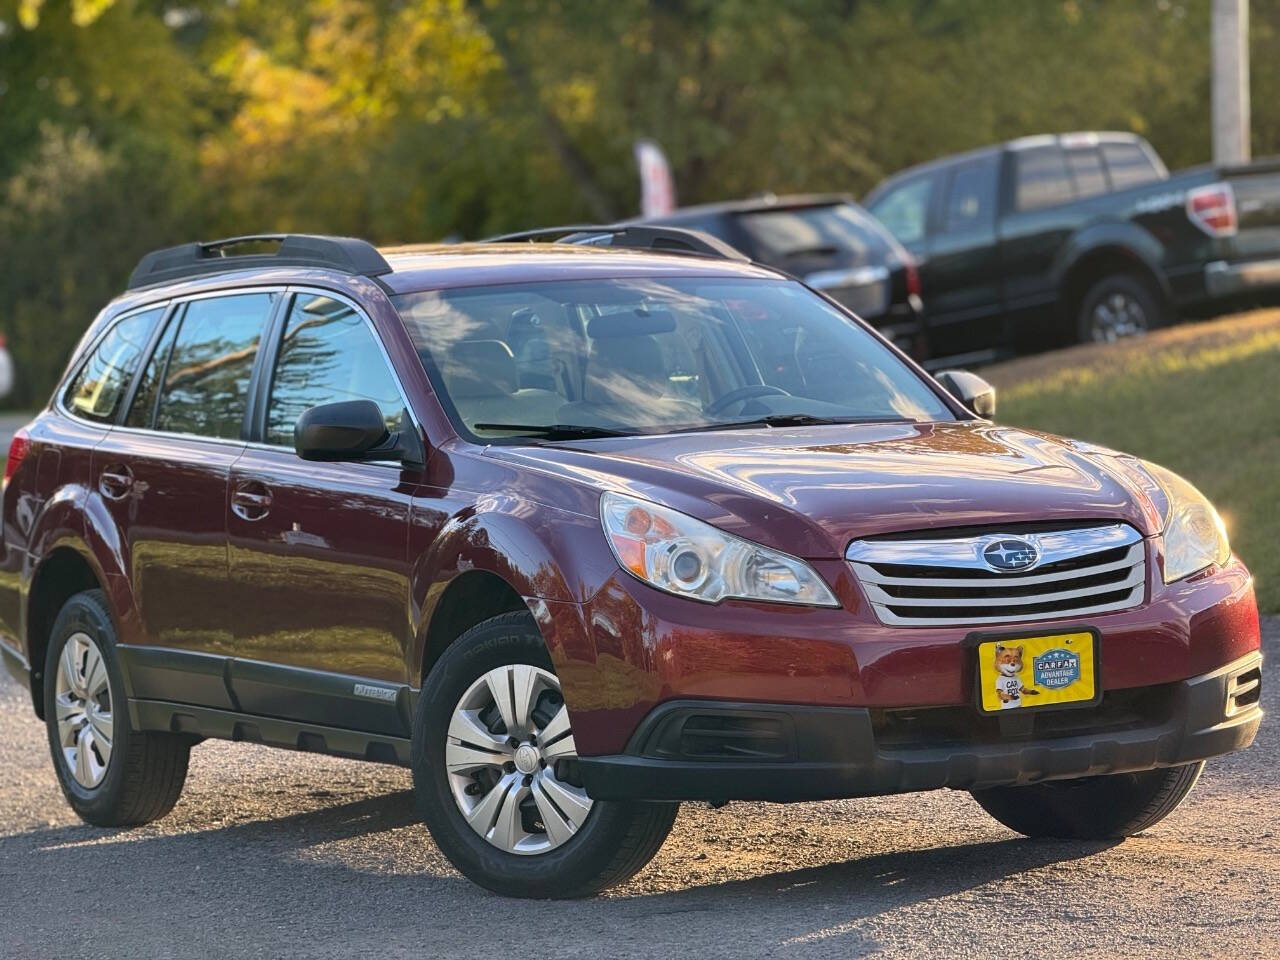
(1202,399)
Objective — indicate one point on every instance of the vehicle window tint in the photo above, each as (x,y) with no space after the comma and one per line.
(206,384)
(1086,169)
(144,398)
(971,202)
(1129,165)
(97,390)
(328,354)
(904,210)
(808,237)
(1042,179)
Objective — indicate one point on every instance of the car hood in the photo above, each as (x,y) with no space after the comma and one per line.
(811,491)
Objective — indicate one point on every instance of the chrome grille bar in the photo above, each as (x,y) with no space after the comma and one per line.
(945,581)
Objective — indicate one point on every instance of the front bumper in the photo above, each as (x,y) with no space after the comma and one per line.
(1225,279)
(714,750)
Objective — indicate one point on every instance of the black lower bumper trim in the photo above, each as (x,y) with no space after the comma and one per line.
(781,752)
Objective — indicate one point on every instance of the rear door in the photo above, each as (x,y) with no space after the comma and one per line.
(962,279)
(318,551)
(162,476)
(1040,218)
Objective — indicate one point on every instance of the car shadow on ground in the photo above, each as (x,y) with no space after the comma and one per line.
(268,858)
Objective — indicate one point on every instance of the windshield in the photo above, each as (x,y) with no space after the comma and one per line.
(837,230)
(653,355)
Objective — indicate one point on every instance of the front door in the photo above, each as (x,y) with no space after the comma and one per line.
(319,551)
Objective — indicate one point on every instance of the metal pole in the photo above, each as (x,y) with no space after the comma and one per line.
(1230,43)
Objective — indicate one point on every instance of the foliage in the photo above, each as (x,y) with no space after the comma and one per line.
(409,120)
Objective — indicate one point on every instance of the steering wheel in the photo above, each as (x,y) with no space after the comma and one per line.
(750,392)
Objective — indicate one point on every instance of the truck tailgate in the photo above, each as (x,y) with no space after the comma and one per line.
(1257,190)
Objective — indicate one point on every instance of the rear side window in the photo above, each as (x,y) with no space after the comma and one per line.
(1042,179)
(971,201)
(205,387)
(788,237)
(1087,172)
(328,354)
(98,389)
(904,210)
(1129,165)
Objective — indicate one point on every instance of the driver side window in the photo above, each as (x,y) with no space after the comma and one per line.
(327,354)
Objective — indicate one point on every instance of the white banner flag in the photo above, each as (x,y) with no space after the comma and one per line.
(657,188)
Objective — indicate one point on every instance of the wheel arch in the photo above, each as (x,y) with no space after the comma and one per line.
(1103,251)
(63,572)
(507,556)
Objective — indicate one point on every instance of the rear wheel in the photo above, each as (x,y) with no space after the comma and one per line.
(495,774)
(1092,808)
(111,775)
(1117,306)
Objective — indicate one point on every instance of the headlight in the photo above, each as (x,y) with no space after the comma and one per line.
(676,553)
(1194,536)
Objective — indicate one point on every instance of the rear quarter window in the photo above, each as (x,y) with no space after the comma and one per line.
(99,386)
(1129,165)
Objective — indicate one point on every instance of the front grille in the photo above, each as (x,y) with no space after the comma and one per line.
(918,581)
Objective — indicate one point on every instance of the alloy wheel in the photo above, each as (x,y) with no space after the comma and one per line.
(511,761)
(83,708)
(1116,315)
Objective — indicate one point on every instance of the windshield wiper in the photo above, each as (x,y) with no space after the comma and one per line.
(556,431)
(780,420)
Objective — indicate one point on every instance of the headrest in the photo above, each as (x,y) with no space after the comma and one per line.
(625,370)
(480,368)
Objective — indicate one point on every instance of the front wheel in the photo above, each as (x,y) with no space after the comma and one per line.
(1109,807)
(496,779)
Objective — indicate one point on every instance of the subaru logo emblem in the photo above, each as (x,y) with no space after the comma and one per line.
(1010,553)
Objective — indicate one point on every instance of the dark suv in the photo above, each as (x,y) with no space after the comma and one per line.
(833,245)
(580,532)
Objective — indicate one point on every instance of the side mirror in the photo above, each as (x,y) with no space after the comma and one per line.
(971,390)
(354,430)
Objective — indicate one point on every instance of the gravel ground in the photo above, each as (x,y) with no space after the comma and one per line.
(273,854)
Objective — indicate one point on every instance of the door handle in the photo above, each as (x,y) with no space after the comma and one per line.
(115,481)
(251,500)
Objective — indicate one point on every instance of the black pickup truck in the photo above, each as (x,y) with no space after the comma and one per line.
(1082,236)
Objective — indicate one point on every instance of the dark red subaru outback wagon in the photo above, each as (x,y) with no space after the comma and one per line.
(578,530)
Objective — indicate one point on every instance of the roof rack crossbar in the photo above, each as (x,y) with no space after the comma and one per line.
(346,254)
(630,236)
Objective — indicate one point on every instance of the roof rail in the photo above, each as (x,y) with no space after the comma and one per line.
(631,236)
(346,254)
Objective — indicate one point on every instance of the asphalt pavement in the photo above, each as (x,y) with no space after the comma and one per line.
(278,854)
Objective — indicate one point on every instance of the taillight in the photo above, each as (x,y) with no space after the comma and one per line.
(18,448)
(913,277)
(1213,209)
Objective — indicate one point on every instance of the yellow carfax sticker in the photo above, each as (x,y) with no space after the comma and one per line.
(1043,671)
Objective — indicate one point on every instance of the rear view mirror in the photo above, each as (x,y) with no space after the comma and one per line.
(971,390)
(354,430)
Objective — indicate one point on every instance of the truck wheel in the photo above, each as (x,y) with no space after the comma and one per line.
(1119,305)
(495,774)
(1092,808)
(111,775)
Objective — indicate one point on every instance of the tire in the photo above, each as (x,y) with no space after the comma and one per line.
(129,777)
(612,841)
(1117,306)
(1093,808)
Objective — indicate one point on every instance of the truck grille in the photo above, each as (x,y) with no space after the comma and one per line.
(998,576)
